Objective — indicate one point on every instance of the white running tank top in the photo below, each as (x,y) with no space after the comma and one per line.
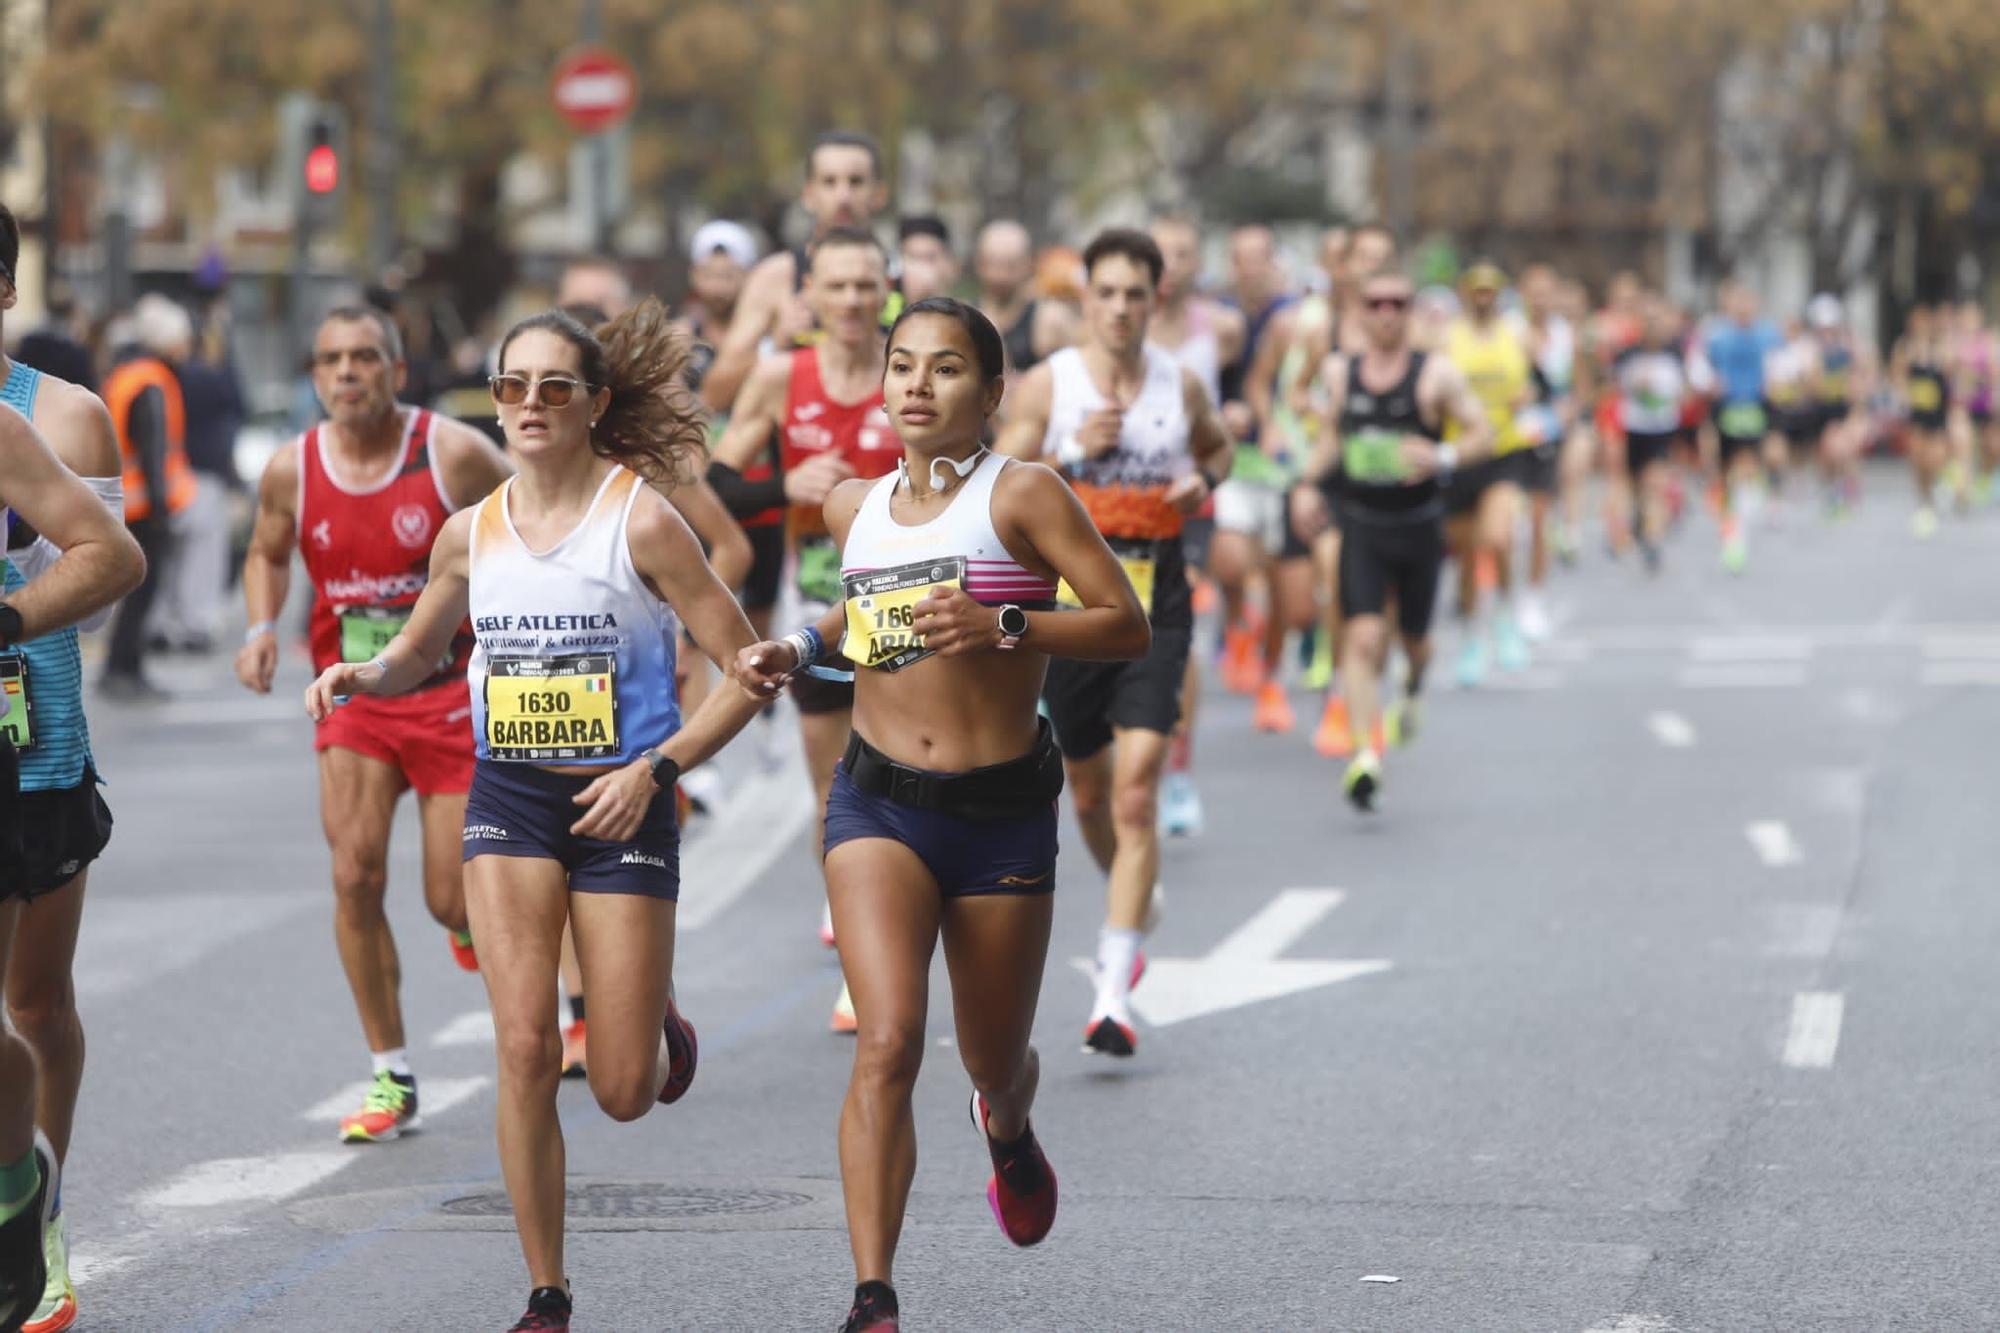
(1153,442)
(574,656)
(1200,352)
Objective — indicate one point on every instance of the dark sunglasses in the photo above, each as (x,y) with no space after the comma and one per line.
(554,390)
(1386,302)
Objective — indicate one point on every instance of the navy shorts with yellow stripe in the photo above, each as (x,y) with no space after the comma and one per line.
(967,857)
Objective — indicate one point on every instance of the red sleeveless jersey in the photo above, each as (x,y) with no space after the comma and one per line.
(815,424)
(368,551)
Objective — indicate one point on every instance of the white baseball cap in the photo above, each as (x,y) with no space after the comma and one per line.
(733,238)
(1823,311)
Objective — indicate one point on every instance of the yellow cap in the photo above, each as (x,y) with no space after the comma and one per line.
(1485,276)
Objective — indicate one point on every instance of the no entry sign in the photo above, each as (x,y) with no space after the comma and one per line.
(594,89)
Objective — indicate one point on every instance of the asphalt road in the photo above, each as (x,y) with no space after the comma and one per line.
(1658,996)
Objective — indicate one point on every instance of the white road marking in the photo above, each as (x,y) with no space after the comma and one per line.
(1751,648)
(1947,647)
(135,939)
(1814,1035)
(1803,930)
(1774,842)
(1959,673)
(473,1028)
(1633,1323)
(265,1179)
(1742,676)
(435,1096)
(762,817)
(1671,730)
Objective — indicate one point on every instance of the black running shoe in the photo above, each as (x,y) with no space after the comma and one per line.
(23,1263)
(874,1310)
(1107,1036)
(548,1312)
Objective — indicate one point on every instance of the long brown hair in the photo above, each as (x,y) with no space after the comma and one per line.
(653,425)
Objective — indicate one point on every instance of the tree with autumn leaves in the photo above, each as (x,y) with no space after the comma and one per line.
(1581,127)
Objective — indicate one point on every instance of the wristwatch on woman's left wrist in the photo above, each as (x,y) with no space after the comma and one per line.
(1013,625)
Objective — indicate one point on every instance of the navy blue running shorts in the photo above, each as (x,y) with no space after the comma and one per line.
(967,857)
(522,810)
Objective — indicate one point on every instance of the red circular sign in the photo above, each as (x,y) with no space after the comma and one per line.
(594,89)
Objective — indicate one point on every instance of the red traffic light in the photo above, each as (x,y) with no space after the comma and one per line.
(323,169)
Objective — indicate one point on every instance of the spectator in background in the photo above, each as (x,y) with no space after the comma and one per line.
(55,348)
(929,266)
(149,411)
(719,260)
(595,280)
(190,598)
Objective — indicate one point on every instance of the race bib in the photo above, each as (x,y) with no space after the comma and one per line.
(552,709)
(882,611)
(1252,466)
(1743,421)
(1139,560)
(17,720)
(819,570)
(365,631)
(1375,457)
(1925,394)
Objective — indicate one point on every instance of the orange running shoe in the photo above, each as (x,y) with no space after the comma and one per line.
(1274,710)
(388,1112)
(461,949)
(1242,667)
(1334,739)
(1205,596)
(573,1049)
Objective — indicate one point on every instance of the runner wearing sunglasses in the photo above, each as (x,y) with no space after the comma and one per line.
(1381,463)
(362,496)
(824,402)
(574,573)
(942,822)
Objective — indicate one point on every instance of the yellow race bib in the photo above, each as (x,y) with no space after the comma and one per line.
(552,709)
(882,611)
(1139,560)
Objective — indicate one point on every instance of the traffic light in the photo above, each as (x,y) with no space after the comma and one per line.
(322,160)
(312,158)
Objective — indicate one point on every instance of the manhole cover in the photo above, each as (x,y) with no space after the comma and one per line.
(613,1200)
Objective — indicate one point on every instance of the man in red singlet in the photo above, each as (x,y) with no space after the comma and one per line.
(362,496)
(825,403)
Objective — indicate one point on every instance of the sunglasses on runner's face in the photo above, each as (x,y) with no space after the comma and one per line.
(554,390)
(1387,302)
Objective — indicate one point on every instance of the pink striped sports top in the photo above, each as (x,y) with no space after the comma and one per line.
(878,542)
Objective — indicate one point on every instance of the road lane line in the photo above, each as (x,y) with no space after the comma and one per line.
(1633,1323)
(1751,648)
(1774,842)
(1671,730)
(1814,1035)
(473,1028)
(758,823)
(1277,925)
(236,1180)
(1959,673)
(1742,676)
(1937,647)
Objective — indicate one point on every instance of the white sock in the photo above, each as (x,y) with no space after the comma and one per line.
(396,1062)
(1116,951)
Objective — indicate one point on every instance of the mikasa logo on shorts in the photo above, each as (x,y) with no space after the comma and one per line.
(641,859)
(493,831)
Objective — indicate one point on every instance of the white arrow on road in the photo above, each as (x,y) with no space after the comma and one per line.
(1245,968)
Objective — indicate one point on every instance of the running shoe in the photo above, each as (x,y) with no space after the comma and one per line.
(682,1054)
(1022,1190)
(844,1022)
(1510,645)
(1180,806)
(388,1111)
(826,925)
(1472,661)
(573,1050)
(1334,738)
(1274,710)
(1242,665)
(58,1308)
(1924,524)
(1403,722)
(1319,668)
(1105,1035)
(461,950)
(1363,780)
(873,1311)
(548,1312)
(24,1268)
(1735,555)
(1563,541)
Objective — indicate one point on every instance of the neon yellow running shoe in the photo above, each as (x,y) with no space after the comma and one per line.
(389,1110)
(1403,721)
(1363,780)
(58,1308)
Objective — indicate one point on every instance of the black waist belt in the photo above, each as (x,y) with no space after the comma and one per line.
(1010,790)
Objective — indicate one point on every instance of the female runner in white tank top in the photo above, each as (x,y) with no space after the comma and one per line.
(942,817)
(573,573)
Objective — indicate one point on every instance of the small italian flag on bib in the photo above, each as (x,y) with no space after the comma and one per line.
(595,685)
